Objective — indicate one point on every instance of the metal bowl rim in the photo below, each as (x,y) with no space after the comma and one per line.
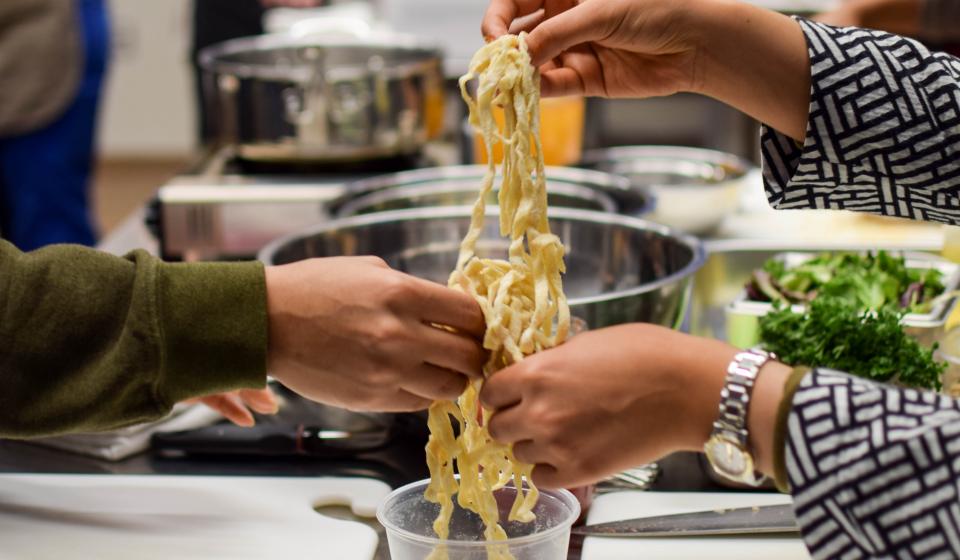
(364,201)
(208,56)
(698,257)
(624,154)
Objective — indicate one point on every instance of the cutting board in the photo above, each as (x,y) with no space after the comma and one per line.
(106,517)
(625,505)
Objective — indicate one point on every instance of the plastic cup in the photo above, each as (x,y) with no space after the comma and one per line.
(408,519)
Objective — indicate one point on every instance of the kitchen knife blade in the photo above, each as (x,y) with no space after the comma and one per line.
(721,521)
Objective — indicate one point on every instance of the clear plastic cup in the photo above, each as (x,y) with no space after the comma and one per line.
(408,519)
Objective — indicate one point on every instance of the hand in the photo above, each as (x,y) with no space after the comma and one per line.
(610,48)
(235,406)
(615,398)
(351,332)
(644,48)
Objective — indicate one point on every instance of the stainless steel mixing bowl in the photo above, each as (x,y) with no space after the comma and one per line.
(619,269)
(695,188)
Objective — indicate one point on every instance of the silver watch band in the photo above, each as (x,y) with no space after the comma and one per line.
(735,396)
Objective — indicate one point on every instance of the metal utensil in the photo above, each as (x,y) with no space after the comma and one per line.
(637,478)
(325,99)
(619,269)
(695,188)
(727,521)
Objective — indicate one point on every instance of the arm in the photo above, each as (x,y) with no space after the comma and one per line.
(877,116)
(873,468)
(870,467)
(883,134)
(90,341)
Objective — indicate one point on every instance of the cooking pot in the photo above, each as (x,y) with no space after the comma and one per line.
(323,97)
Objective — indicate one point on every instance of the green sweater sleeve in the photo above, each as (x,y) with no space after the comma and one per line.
(90,341)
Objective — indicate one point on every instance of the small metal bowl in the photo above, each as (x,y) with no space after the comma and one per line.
(457,185)
(619,269)
(695,188)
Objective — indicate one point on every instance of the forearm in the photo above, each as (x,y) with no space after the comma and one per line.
(90,341)
(754,60)
(872,468)
(883,134)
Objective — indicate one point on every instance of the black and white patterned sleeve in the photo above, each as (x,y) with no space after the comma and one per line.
(883,134)
(874,469)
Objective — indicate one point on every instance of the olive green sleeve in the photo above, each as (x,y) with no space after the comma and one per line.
(780,430)
(90,341)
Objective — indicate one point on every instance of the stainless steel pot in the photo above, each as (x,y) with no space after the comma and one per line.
(619,269)
(282,98)
(695,188)
(458,185)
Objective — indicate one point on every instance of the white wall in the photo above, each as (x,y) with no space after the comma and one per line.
(147,108)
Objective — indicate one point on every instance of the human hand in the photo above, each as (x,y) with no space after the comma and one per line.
(615,398)
(351,332)
(236,406)
(609,48)
(644,48)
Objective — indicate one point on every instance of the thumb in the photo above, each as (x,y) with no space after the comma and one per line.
(583,23)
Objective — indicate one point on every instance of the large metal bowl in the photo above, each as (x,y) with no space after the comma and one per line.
(619,269)
(457,185)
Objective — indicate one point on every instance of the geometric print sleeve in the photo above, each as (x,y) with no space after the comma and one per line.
(874,469)
(883,132)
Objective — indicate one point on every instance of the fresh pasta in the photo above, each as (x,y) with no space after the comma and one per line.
(521,297)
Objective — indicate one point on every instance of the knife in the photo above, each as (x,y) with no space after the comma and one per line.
(721,521)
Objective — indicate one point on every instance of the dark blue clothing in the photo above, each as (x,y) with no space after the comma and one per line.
(45,174)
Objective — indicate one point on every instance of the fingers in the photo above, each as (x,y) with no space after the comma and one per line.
(501,13)
(560,82)
(508,426)
(547,476)
(262,401)
(443,306)
(452,351)
(581,24)
(501,391)
(231,407)
(434,383)
(526,23)
(405,401)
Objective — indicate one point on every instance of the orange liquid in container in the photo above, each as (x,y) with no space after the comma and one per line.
(561,131)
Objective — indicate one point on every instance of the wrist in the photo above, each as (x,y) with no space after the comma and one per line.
(703,374)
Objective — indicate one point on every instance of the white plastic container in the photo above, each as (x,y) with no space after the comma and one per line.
(408,519)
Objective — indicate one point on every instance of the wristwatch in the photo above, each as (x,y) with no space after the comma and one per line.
(728,448)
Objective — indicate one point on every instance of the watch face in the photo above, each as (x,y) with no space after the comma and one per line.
(728,458)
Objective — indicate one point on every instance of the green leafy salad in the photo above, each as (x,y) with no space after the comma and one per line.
(852,316)
(870,280)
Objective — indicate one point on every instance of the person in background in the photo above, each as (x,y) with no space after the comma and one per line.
(53,57)
(91,341)
(853,119)
(935,22)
